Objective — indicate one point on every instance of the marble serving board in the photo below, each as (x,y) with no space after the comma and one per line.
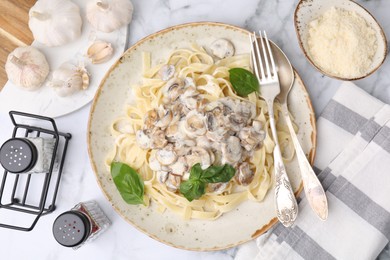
(45,100)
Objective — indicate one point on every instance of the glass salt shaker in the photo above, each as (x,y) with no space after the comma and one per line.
(83,223)
(27,155)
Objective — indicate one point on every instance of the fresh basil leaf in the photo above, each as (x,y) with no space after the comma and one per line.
(196,172)
(195,187)
(128,183)
(243,81)
(192,189)
(214,174)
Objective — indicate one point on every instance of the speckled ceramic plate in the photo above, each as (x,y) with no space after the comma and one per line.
(246,222)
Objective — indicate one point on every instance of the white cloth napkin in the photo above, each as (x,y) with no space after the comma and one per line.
(353,162)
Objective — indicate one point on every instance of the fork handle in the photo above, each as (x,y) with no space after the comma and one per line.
(314,191)
(285,202)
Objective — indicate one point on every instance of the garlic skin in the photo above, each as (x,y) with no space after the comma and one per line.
(55,22)
(69,79)
(109,15)
(100,52)
(27,67)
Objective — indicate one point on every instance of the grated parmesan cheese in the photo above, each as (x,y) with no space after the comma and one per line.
(341,43)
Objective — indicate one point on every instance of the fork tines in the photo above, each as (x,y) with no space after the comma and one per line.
(262,56)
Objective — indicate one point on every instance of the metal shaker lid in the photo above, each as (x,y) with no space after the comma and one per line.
(71,228)
(18,155)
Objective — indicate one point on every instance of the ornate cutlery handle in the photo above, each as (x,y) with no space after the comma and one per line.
(286,204)
(314,191)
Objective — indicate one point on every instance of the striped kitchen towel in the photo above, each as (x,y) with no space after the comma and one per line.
(353,162)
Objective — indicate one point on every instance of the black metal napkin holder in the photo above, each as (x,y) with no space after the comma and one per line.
(53,176)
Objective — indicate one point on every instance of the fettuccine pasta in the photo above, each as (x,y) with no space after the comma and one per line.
(209,79)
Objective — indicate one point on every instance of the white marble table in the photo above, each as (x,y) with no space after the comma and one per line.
(122,241)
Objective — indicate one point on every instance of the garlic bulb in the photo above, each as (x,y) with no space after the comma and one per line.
(109,15)
(100,52)
(27,67)
(55,22)
(69,79)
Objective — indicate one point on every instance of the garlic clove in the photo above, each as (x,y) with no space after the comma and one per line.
(100,52)
(27,67)
(69,79)
(85,78)
(109,15)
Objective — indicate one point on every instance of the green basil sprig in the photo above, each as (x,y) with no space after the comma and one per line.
(195,187)
(128,183)
(243,81)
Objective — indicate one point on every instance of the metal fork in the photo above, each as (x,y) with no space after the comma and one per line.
(285,202)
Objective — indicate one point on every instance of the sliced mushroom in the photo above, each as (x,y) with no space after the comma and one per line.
(143,139)
(245,175)
(252,137)
(165,117)
(184,111)
(218,187)
(222,48)
(212,156)
(179,110)
(244,133)
(190,98)
(217,138)
(247,154)
(166,156)
(229,105)
(204,142)
(236,121)
(162,176)
(257,126)
(166,72)
(231,150)
(216,125)
(251,144)
(246,109)
(202,102)
(154,164)
(173,182)
(165,168)
(199,155)
(189,82)
(151,118)
(176,113)
(194,124)
(173,89)
(190,91)
(212,122)
(186,176)
(191,103)
(179,167)
(215,107)
(173,134)
(157,139)
(183,145)
(247,137)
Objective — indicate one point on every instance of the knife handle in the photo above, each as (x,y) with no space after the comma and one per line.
(314,191)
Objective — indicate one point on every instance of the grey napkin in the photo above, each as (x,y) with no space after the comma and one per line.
(353,162)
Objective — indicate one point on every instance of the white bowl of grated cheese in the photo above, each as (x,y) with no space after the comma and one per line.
(340,38)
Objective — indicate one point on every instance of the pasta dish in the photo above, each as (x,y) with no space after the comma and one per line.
(186,113)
